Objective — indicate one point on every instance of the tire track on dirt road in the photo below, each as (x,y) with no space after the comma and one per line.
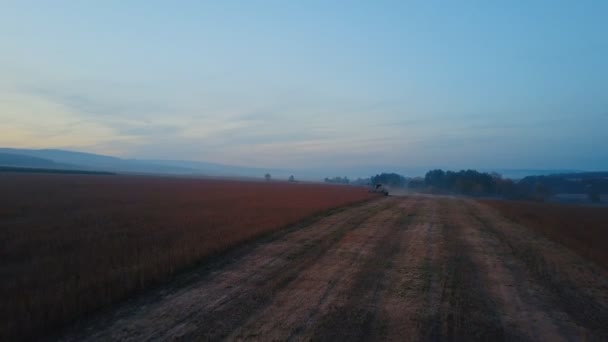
(435,293)
(303,305)
(487,260)
(354,316)
(457,280)
(214,306)
(410,286)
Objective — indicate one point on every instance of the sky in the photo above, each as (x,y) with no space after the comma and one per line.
(311,84)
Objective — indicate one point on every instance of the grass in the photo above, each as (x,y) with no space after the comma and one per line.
(72,244)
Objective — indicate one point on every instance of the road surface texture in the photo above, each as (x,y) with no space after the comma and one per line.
(398,268)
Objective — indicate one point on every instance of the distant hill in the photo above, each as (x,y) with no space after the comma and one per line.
(90,161)
(12,169)
(62,159)
(211,168)
(26,161)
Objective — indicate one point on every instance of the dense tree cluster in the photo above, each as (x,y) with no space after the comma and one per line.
(538,187)
(416,183)
(469,182)
(389,179)
(573,183)
(338,180)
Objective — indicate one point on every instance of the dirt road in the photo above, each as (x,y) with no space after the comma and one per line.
(399,268)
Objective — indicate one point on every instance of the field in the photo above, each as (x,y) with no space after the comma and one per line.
(71,244)
(582,229)
(412,268)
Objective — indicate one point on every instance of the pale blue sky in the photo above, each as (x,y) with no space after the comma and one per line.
(310,84)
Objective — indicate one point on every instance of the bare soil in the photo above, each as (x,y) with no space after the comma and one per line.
(399,268)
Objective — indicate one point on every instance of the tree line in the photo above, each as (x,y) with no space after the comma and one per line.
(337,180)
(471,182)
(389,179)
(475,183)
(468,182)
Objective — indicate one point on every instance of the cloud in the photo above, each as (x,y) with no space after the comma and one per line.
(56,129)
(261,115)
(101,100)
(122,114)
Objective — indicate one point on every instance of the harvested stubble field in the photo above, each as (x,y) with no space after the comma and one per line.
(580,228)
(72,244)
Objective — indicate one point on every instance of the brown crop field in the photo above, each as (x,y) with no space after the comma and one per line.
(582,229)
(72,244)
(413,268)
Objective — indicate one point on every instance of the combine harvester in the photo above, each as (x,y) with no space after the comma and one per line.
(379,189)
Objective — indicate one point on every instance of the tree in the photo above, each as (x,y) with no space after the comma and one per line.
(416,183)
(291,179)
(267,176)
(594,197)
(542,191)
(337,180)
(593,194)
(435,178)
(389,179)
(468,182)
(506,188)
